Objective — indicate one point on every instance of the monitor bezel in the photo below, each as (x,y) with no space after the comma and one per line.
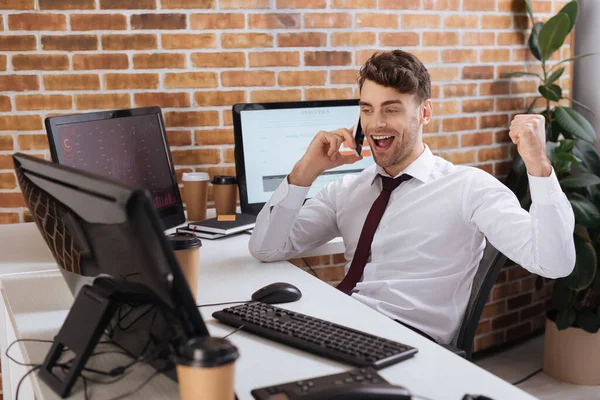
(240,165)
(169,217)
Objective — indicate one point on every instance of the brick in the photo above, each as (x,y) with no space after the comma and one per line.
(130,81)
(17,42)
(6,159)
(129,42)
(503,69)
(219,60)
(511,38)
(494,88)
(3,62)
(304,39)
(1,24)
(328,94)
(459,124)
(67,4)
(433,126)
(219,98)
(496,21)
(100,61)
(196,156)
(227,117)
(476,139)
(461,21)
(43,102)
(179,138)
(128,4)
(159,60)
(189,41)
(177,4)
(419,21)
(522,55)
(375,20)
(445,107)
(510,104)
(441,5)
(399,39)
(161,99)
(228,156)
(363,55)
(17,5)
(44,62)
(459,56)
(191,80)
(460,157)
(302,4)
(506,290)
(479,39)
(400,4)
(460,90)
(328,20)
(102,101)
(494,55)
(72,82)
(98,22)
(158,21)
(20,123)
(478,72)
(483,327)
(440,39)
(37,22)
(6,142)
(435,91)
(302,78)
(5,104)
(244,4)
(505,320)
(214,137)
(441,142)
(12,200)
(319,58)
(528,284)
(532,311)
(348,4)
(517,272)
(519,331)
(479,5)
(275,95)
(274,21)
(217,21)
(33,142)
(494,153)
(493,121)
(502,168)
(248,78)
(69,42)
(426,55)
(9,218)
(443,73)
(353,38)
(478,105)
(343,77)
(493,309)
(274,59)
(489,168)
(246,40)
(192,118)
(541,6)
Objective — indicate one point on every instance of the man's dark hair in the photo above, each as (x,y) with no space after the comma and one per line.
(399,70)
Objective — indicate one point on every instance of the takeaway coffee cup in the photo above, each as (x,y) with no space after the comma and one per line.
(225,194)
(187,250)
(195,185)
(205,369)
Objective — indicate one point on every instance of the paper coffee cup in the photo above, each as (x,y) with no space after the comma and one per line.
(195,185)
(187,250)
(205,369)
(225,194)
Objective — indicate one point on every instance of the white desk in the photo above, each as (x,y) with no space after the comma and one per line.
(37,303)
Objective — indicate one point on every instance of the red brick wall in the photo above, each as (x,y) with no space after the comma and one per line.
(195,58)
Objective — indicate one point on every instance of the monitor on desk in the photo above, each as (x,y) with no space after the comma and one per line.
(109,244)
(126,145)
(271,137)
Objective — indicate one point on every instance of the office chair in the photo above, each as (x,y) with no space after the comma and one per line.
(487,272)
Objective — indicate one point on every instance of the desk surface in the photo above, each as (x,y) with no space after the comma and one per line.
(38,303)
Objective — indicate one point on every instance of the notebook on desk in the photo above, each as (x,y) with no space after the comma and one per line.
(241,223)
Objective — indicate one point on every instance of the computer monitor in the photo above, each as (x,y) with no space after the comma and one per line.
(271,137)
(109,244)
(129,146)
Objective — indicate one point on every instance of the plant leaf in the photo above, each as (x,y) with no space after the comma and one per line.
(578,57)
(531,106)
(586,213)
(588,321)
(562,296)
(574,123)
(585,265)
(589,155)
(553,34)
(554,76)
(528,8)
(534,45)
(568,157)
(580,104)
(565,319)
(571,9)
(552,92)
(582,180)
(519,74)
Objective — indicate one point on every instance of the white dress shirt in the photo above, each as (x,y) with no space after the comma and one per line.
(430,239)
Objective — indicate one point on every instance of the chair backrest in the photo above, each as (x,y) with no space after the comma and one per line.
(487,272)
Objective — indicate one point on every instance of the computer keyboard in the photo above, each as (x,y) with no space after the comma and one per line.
(315,335)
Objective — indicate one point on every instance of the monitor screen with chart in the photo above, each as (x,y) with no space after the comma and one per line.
(271,137)
(128,146)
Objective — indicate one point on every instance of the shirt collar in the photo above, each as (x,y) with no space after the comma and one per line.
(419,169)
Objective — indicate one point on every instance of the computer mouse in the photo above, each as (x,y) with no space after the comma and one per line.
(476,397)
(275,293)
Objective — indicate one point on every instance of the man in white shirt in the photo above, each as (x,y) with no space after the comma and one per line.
(429,241)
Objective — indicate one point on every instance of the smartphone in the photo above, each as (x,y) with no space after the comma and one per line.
(359,136)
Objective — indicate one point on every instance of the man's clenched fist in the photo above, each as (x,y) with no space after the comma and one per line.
(528,132)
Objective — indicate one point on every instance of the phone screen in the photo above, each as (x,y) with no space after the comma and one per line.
(359,137)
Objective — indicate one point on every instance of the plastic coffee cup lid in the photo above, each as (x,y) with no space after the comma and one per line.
(195,176)
(224,180)
(184,241)
(206,352)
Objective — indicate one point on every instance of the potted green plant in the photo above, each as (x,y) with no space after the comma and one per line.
(572,341)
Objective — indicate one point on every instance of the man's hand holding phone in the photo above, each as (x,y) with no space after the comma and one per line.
(322,154)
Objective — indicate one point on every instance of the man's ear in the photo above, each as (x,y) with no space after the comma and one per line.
(426,112)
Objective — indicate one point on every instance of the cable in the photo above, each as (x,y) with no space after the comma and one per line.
(231,333)
(311,268)
(157,372)
(24,340)
(534,373)
(227,302)
(23,378)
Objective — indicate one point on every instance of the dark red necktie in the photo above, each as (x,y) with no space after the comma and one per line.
(363,249)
